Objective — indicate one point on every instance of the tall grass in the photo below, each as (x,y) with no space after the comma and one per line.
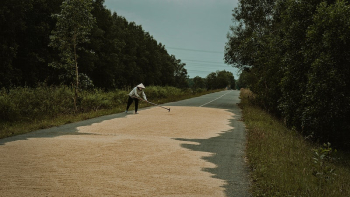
(284,163)
(26,109)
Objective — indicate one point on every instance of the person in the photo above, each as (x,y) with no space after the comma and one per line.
(134,95)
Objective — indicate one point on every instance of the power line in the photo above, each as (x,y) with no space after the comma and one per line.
(209,71)
(195,50)
(207,67)
(201,67)
(203,61)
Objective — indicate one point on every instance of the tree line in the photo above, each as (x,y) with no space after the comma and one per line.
(294,55)
(119,54)
(115,54)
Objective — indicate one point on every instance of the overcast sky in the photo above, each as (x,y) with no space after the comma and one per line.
(192,30)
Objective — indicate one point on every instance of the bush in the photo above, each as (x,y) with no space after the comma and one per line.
(31,103)
(8,110)
(95,100)
(156,92)
(119,97)
(42,102)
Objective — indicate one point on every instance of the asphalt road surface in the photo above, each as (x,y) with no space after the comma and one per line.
(197,149)
(228,147)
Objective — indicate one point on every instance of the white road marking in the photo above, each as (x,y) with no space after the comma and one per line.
(215,99)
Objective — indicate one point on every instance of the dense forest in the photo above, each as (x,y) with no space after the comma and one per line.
(295,57)
(120,53)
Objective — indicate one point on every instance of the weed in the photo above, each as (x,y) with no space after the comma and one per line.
(324,172)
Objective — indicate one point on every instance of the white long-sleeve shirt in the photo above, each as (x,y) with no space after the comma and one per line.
(136,93)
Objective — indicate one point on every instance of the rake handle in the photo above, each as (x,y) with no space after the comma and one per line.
(153,103)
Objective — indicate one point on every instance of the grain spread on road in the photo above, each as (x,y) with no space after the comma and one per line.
(139,155)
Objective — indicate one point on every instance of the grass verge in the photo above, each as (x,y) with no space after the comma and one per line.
(283,163)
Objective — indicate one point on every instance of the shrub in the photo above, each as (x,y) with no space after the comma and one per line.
(47,101)
(8,110)
(95,100)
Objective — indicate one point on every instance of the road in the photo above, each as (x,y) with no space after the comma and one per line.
(197,149)
(228,147)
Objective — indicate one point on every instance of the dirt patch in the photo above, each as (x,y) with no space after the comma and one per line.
(133,156)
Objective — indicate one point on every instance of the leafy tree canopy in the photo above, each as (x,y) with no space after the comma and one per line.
(294,56)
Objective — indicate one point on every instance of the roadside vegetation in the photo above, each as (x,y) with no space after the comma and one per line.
(294,55)
(291,54)
(285,163)
(28,109)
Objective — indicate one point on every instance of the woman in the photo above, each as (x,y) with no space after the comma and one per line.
(134,95)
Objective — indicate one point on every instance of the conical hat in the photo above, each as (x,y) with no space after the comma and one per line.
(140,85)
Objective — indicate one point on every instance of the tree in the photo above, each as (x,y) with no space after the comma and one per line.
(180,73)
(198,82)
(294,56)
(327,97)
(73,27)
(225,79)
(245,42)
(246,78)
(254,45)
(12,23)
(220,79)
(25,26)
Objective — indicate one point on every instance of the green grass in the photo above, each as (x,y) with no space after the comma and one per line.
(23,110)
(283,163)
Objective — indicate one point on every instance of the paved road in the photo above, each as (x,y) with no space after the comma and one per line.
(227,148)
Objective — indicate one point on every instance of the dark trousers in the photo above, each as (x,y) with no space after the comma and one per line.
(130,100)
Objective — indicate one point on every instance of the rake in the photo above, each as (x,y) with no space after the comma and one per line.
(154,104)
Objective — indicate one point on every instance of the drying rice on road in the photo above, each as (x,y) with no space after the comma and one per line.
(139,155)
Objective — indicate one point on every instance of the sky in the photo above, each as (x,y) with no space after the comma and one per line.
(195,31)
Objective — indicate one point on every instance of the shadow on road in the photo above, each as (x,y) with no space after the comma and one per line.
(228,155)
(68,129)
